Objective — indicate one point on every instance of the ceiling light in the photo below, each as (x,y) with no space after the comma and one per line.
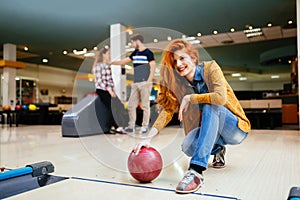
(90,54)
(199,34)
(290,22)
(195,42)
(155,40)
(129,30)
(26,49)
(190,38)
(236,74)
(45,60)
(275,76)
(80,52)
(169,38)
(215,32)
(232,30)
(65,52)
(253,32)
(242,78)
(269,25)
(95,48)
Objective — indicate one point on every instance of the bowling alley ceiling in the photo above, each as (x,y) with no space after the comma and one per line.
(48,28)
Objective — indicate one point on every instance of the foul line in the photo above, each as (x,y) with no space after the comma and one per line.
(149,187)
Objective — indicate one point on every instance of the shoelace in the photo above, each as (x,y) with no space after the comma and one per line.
(188,177)
(219,158)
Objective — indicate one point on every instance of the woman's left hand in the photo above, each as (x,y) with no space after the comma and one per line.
(183,106)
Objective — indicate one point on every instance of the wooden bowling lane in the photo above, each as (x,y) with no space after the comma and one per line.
(77,188)
(264,166)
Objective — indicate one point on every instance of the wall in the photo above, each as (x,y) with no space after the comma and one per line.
(62,82)
(58,81)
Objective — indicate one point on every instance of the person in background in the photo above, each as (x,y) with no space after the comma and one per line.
(144,67)
(212,115)
(104,84)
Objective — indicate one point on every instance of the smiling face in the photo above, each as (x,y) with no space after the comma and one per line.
(184,64)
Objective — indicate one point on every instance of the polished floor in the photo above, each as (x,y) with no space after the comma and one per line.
(265,166)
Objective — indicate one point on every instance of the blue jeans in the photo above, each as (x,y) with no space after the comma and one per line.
(218,128)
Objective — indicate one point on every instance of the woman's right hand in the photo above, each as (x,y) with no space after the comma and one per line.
(146,141)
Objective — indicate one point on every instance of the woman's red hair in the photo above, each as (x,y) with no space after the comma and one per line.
(173,87)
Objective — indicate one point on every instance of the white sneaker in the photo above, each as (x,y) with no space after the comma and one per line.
(143,130)
(128,130)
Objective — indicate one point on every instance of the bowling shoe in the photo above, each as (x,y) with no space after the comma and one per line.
(191,182)
(219,159)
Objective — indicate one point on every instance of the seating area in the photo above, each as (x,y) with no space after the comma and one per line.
(269,113)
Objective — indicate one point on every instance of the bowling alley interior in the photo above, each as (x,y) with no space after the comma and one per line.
(53,141)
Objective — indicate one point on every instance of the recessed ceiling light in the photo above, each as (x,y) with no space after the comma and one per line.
(45,60)
(269,24)
(290,22)
(26,49)
(232,30)
(242,78)
(215,32)
(155,40)
(65,52)
(199,34)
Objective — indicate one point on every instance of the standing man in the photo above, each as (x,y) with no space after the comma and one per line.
(144,67)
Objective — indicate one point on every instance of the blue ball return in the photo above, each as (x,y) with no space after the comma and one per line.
(294,193)
(16,181)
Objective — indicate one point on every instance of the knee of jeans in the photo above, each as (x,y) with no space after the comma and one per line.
(238,138)
(209,107)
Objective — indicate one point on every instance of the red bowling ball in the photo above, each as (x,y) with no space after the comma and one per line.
(18,107)
(145,166)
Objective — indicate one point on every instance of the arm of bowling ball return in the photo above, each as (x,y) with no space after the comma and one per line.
(41,168)
(146,141)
